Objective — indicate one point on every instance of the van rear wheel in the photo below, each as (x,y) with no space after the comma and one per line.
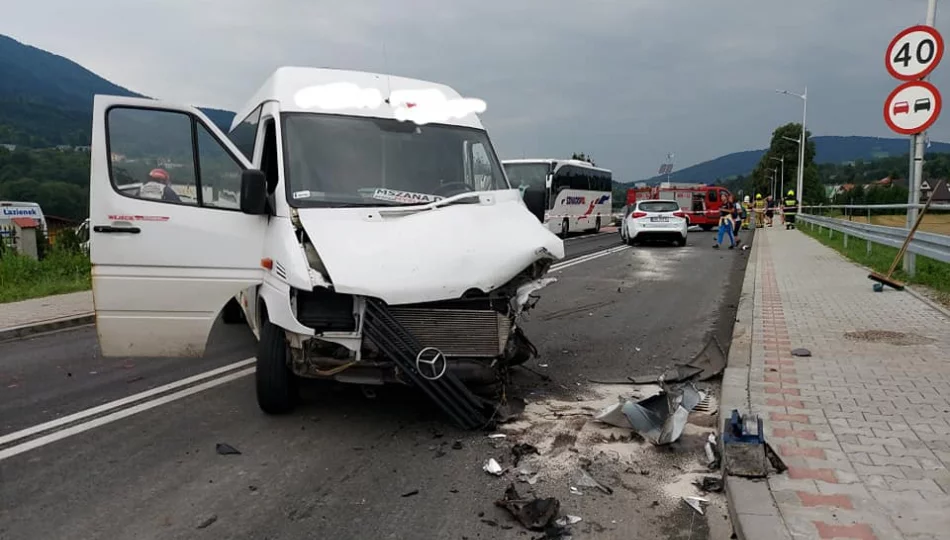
(277,389)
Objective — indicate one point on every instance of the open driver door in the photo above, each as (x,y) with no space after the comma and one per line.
(171,240)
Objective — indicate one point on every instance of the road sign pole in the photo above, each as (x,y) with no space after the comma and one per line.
(916,175)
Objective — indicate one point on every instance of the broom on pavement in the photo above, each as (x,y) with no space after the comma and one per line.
(887,279)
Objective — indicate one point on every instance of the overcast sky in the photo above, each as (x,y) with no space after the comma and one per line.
(626,81)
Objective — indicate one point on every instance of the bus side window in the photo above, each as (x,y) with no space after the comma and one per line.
(712,195)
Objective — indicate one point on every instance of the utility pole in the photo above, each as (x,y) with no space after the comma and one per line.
(916,173)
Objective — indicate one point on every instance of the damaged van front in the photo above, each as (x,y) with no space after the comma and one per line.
(371,236)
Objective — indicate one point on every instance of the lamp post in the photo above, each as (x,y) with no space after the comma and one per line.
(801,144)
(772,184)
(782,160)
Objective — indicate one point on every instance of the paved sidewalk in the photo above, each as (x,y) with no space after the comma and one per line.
(864,423)
(48,308)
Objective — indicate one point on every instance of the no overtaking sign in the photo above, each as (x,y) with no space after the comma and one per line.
(914,106)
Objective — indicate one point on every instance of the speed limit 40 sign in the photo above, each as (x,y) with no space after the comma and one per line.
(914,53)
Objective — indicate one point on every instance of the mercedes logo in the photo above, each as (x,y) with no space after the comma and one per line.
(431,363)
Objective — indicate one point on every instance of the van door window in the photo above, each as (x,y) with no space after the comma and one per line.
(220,175)
(712,195)
(160,155)
(245,133)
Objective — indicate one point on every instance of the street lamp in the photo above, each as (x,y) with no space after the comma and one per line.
(782,160)
(772,185)
(801,144)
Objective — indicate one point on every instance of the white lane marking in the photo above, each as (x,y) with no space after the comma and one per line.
(118,415)
(585,258)
(120,402)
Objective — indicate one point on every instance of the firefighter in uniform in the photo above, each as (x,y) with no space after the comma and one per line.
(791,206)
(759,211)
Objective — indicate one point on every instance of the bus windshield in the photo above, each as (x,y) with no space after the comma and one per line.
(333,160)
(527,175)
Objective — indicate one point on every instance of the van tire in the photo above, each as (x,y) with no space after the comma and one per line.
(232,312)
(277,390)
(706,228)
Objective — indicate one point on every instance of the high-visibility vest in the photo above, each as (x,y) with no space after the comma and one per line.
(791,206)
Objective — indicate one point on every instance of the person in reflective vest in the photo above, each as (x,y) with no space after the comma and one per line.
(759,211)
(791,207)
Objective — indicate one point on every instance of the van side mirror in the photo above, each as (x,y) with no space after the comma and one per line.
(253,192)
(534,200)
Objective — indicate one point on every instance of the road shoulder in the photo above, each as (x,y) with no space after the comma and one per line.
(752,510)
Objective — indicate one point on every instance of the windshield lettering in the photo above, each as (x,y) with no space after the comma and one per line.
(404,196)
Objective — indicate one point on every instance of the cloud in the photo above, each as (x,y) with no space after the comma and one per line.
(626,81)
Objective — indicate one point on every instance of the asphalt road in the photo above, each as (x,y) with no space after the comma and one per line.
(346,465)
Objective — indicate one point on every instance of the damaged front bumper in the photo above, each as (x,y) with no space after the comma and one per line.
(477,335)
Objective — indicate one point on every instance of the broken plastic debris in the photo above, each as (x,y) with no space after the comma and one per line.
(492,467)
(696,503)
(568,520)
(710,483)
(712,452)
(225,449)
(584,479)
(521,450)
(534,514)
(497,436)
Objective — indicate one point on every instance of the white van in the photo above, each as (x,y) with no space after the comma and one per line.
(361,236)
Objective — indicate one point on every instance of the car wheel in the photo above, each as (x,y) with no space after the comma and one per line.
(681,242)
(232,312)
(276,383)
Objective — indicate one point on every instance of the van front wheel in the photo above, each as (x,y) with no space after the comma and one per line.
(277,391)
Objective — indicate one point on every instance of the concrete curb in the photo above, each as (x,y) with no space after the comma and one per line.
(752,509)
(48,325)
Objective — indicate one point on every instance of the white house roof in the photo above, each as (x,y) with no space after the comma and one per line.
(305,89)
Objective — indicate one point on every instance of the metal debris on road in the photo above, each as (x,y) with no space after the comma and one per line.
(534,514)
(492,467)
(709,362)
(497,436)
(225,449)
(801,352)
(696,503)
(660,418)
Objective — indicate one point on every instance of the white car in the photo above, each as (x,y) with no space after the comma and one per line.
(654,219)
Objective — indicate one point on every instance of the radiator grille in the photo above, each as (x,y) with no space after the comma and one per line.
(457,332)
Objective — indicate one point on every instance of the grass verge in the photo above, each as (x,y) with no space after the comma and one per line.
(60,271)
(934,275)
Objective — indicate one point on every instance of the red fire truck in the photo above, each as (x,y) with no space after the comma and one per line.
(700,202)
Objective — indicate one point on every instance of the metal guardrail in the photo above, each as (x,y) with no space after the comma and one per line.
(934,246)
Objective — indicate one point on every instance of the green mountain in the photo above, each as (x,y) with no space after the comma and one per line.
(46,99)
(828,150)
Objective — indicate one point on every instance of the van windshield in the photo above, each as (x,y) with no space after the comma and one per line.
(333,160)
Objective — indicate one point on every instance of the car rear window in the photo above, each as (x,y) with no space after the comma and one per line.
(659,206)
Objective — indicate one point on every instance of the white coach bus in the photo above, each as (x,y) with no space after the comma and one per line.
(577,195)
